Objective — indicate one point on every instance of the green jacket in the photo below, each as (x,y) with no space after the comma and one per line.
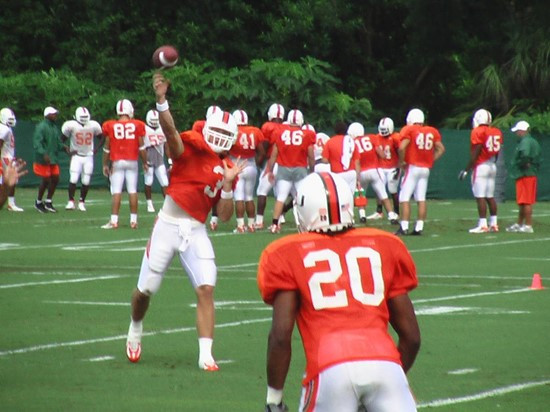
(47,140)
(527,157)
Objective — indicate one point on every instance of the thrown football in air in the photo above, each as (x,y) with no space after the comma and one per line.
(165,57)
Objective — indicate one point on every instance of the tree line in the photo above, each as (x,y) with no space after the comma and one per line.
(334,59)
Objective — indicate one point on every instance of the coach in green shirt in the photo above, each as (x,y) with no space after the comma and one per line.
(47,144)
(524,168)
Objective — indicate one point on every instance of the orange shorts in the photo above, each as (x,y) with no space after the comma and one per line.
(45,170)
(526,190)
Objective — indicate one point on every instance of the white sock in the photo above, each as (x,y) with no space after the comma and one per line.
(405,225)
(149,202)
(214,219)
(133,217)
(482,222)
(240,221)
(362,213)
(493,220)
(11,201)
(114,218)
(419,227)
(136,328)
(259,219)
(205,349)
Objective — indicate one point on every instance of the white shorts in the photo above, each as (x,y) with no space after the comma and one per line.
(389,181)
(159,172)
(483,180)
(373,178)
(244,190)
(350,176)
(185,237)
(124,170)
(380,386)
(321,167)
(81,166)
(415,180)
(264,185)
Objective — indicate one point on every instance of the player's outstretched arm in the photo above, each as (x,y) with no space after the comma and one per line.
(161,85)
(403,321)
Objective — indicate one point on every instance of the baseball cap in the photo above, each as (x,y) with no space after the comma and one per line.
(50,110)
(521,125)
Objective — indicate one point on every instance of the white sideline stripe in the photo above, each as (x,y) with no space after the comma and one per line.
(101,359)
(477,245)
(122,337)
(79,302)
(482,395)
(471,295)
(56,282)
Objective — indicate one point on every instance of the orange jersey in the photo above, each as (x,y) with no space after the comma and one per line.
(490,139)
(248,139)
(292,145)
(123,138)
(198,126)
(389,146)
(366,147)
(334,152)
(196,177)
(269,130)
(422,139)
(344,282)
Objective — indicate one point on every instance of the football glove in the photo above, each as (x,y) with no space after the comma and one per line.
(395,174)
(462,175)
(271,407)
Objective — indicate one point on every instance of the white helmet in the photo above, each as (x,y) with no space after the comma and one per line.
(220,131)
(482,116)
(7,117)
(356,129)
(308,126)
(276,111)
(323,203)
(212,109)
(152,118)
(415,116)
(124,107)
(82,115)
(295,117)
(240,117)
(385,127)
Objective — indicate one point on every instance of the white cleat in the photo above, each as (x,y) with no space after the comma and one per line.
(479,229)
(110,225)
(81,206)
(514,228)
(526,229)
(150,208)
(14,208)
(70,205)
(209,365)
(375,216)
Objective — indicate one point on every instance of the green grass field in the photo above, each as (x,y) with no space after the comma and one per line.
(65,286)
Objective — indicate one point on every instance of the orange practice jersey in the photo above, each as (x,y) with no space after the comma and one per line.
(344,282)
(490,139)
(292,144)
(269,130)
(333,151)
(198,125)
(123,138)
(422,139)
(196,177)
(248,139)
(366,147)
(389,146)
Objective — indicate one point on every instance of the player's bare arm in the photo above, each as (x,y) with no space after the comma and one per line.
(403,321)
(279,347)
(401,152)
(225,205)
(106,159)
(161,85)
(438,150)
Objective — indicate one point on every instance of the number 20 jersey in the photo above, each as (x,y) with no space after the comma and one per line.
(344,282)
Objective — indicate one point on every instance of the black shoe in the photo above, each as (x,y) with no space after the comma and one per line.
(416,233)
(401,232)
(363,219)
(394,222)
(40,207)
(49,207)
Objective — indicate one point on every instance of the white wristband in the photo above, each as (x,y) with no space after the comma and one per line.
(226,195)
(162,107)
(170,161)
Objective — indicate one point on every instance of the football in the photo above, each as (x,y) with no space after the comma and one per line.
(165,57)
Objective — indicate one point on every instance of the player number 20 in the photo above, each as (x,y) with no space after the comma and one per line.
(340,297)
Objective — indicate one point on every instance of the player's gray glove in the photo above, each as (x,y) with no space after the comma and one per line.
(271,407)
(462,175)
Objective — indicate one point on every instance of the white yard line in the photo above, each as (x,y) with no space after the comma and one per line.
(471,295)
(482,395)
(123,337)
(58,281)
